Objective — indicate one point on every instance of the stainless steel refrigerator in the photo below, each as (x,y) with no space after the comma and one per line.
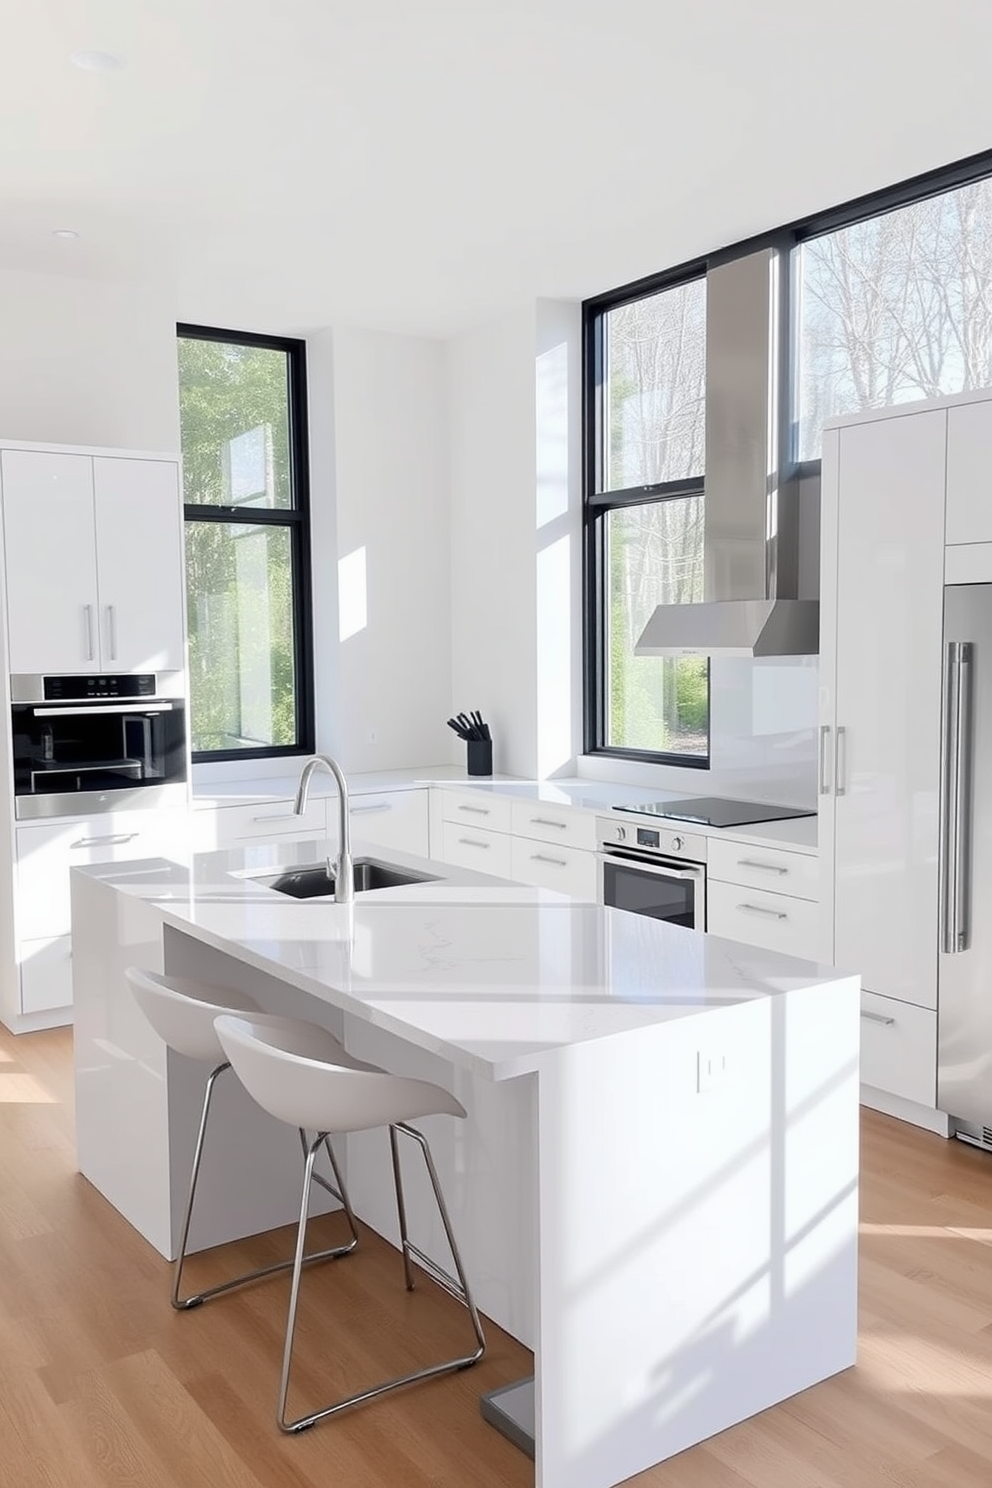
(964,1008)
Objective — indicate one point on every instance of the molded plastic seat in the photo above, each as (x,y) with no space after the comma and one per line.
(183,1012)
(306,1090)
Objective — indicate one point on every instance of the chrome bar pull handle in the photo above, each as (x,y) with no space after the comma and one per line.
(840,763)
(824,754)
(877,1018)
(955,867)
(88,614)
(112,631)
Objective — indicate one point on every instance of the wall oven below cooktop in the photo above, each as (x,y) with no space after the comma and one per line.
(654,871)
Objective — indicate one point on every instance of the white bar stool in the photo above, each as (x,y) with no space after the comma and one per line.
(320,1095)
(182,1013)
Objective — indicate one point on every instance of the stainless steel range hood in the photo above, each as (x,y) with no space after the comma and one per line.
(751,526)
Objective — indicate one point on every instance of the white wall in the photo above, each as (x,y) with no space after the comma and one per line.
(513,405)
(381,552)
(88,362)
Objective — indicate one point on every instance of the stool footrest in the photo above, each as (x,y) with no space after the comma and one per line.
(438,1274)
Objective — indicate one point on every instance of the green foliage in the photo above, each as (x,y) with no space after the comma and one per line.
(238,574)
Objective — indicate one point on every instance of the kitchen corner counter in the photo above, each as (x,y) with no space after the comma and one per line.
(799,834)
(635,1094)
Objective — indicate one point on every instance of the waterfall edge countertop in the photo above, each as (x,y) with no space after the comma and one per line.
(655,1187)
(491,975)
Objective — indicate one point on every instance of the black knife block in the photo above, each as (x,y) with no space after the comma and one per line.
(480,756)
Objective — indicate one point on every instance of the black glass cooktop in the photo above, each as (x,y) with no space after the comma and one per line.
(714,811)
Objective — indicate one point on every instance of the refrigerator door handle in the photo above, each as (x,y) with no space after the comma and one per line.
(955,856)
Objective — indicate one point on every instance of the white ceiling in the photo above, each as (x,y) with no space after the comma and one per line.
(423,165)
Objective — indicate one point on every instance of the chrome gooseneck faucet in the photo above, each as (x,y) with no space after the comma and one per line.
(342,870)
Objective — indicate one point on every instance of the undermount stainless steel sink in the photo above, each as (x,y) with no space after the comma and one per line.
(315,882)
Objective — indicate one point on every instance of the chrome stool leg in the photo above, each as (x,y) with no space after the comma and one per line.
(401,1208)
(457,1288)
(184,1304)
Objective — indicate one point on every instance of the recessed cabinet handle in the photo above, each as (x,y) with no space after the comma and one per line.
(774,914)
(765,867)
(545,821)
(877,1018)
(543,858)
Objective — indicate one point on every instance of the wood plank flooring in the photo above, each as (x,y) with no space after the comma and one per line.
(103,1386)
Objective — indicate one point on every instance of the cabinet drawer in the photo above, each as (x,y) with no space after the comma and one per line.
(899,1048)
(46,851)
(473,847)
(558,824)
(771,868)
(263,820)
(478,809)
(390,819)
(46,974)
(571,870)
(776,922)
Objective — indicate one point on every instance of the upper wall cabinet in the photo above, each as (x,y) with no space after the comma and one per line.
(969,479)
(93,556)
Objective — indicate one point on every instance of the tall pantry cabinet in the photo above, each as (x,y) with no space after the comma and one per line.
(92,583)
(898,486)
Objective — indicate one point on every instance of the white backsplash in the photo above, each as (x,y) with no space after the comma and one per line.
(763,735)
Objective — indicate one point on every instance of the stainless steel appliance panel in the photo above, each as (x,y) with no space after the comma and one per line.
(90,743)
(964,1006)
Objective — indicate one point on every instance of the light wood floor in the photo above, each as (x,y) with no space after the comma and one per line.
(102,1385)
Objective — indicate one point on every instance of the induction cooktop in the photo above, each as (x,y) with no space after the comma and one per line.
(714,811)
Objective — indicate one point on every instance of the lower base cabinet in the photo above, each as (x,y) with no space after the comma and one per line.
(899,1048)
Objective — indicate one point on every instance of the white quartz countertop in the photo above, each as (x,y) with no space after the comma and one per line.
(796,833)
(492,976)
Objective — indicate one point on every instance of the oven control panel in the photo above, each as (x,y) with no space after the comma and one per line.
(659,841)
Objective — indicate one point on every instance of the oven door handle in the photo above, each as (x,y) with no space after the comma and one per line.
(104,710)
(660,870)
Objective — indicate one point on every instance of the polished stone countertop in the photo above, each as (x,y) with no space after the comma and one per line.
(493,976)
(798,834)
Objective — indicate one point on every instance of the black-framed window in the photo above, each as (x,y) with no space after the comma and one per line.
(893,307)
(888,300)
(645,422)
(243,422)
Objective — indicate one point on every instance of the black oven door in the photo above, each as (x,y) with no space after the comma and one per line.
(663,889)
(75,757)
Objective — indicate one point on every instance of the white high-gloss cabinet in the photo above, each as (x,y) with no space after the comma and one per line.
(881,599)
(93,550)
(969,479)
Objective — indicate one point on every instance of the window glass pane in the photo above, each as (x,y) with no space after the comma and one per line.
(654,556)
(234,410)
(239,596)
(655,408)
(894,309)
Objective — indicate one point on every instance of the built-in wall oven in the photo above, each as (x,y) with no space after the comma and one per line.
(653,871)
(97,743)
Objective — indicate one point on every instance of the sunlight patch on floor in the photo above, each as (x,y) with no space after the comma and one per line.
(20,1089)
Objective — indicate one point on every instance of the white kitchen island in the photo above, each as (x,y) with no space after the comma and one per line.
(656,1185)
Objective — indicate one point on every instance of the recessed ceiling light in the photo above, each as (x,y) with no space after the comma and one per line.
(64,232)
(97,61)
